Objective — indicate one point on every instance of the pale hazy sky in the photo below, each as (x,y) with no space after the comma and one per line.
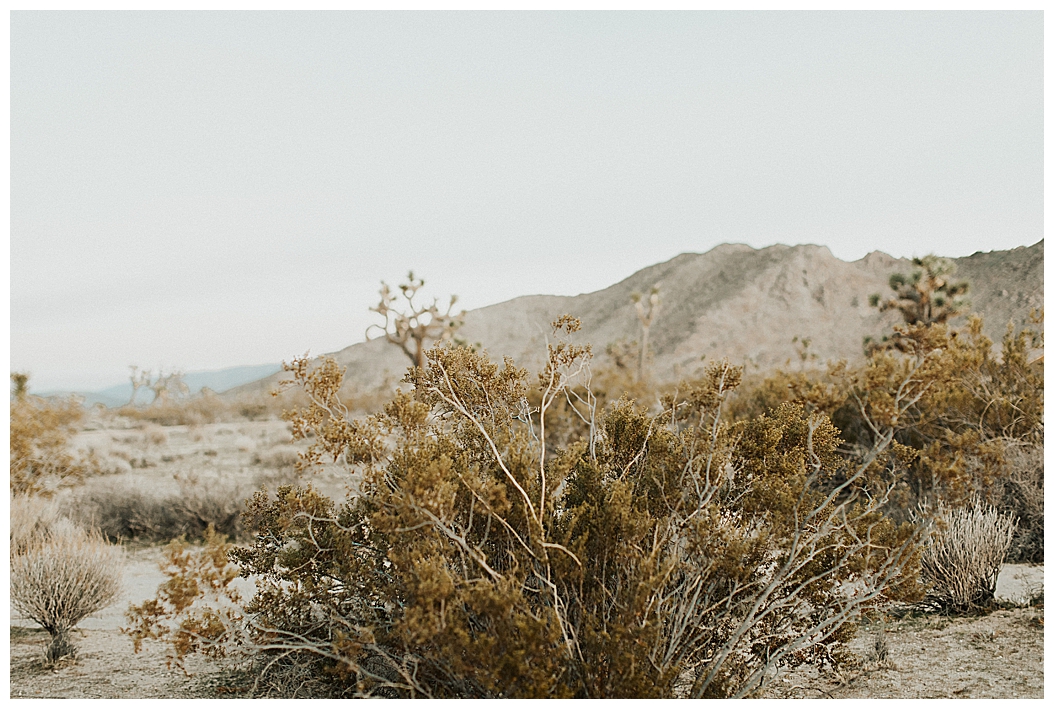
(207,190)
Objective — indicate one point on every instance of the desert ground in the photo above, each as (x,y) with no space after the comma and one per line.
(915,656)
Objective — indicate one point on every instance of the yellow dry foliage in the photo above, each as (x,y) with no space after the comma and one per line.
(41,460)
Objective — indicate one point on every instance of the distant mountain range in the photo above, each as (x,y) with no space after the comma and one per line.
(219,380)
(753,306)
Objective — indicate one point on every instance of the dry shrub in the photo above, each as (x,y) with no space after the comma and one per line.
(127,512)
(216,504)
(279,457)
(154,435)
(41,460)
(655,554)
(32,518)
(63,577)
(1021,495)
(196,410)
(963,558)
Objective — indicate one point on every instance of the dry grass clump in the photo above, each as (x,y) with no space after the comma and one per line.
(281,457)
(32,518)
(196,410)
(962,561)
(122,511)
(61,576)
(1021,494)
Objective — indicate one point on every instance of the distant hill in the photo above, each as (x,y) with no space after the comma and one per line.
(733,301)
(219,380)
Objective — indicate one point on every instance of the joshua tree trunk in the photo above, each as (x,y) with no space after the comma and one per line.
(643,352)
(646,320)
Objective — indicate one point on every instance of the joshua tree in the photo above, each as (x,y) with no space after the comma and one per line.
(414,326)
(139,380)
(928,296)
(21,382)
(646,320)
(167,385)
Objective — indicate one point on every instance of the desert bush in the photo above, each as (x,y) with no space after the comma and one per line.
(32,519)
(41,460)
(961,562)
(661,554)
(977,433)
(63,577)
(125,512)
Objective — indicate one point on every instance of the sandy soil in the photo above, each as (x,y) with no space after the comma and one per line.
(998,655)
(148,456)
(995,656)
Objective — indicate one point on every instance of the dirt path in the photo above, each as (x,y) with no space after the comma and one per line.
(105,668)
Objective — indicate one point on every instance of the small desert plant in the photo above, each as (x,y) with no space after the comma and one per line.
(212,504)
(63,577)
(279,457)
(963,558)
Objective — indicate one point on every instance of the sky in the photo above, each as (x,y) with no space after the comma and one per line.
(206,190)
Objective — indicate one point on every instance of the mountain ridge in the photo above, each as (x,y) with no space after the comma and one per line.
(752,306)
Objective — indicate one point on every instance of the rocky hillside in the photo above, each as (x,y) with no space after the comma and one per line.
(753,306)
